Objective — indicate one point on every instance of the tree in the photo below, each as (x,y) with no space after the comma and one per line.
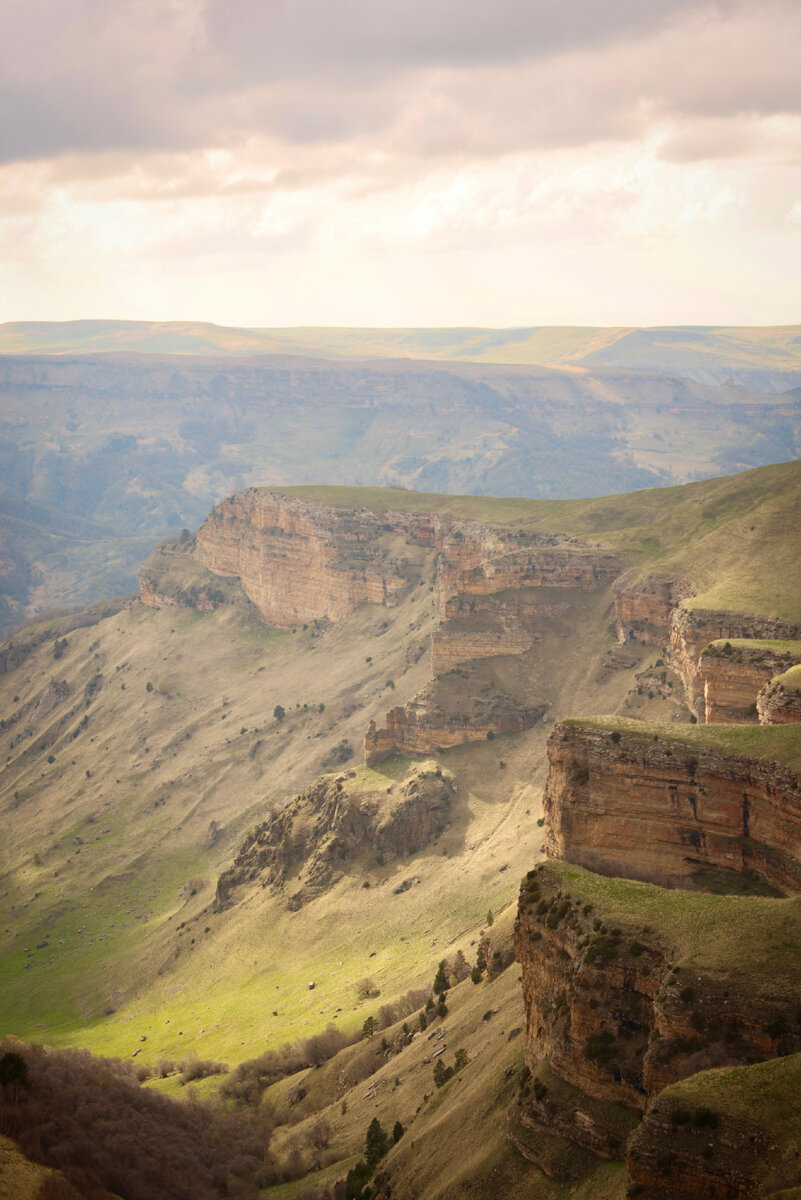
(13,1069)
(279,713)
(441,979)
(441,1073)
(376,1143)
(490,917)
(461,1059)
(423,1023)
(397,1131)
(369,1027)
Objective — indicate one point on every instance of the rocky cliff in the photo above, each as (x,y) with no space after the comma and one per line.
(623,800)
(628,990)
(299,561)
(734,672)
(419,728)
(779,702)
(656,610)
(316,838)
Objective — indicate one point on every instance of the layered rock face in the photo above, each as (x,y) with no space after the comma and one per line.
(692,630)
(643,607)
(652,610)
(614,1016)
(733,675)
(415,728)
(299,561)
(627,804)
(315,836)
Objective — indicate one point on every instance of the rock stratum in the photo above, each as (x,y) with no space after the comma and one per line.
(634,1003)
(622,800)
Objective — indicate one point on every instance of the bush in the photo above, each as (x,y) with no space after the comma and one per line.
(339,754)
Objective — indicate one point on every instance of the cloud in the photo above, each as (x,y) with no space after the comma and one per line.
(429,76)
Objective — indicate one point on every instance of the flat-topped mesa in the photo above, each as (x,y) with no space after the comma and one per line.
(300,561)
(779,702)
(733,674)
(622,800)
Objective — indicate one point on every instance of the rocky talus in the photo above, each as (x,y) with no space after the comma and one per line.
(622,801)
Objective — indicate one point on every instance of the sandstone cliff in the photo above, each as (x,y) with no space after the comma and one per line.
(622,800)
(628,990)
(655,610)
(734,672)
(317,836)
(419,727)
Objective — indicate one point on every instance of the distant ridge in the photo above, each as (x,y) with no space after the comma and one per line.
(765,358)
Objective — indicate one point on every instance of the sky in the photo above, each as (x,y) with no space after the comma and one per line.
(401,162)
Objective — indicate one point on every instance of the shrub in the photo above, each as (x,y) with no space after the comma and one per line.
(338,754)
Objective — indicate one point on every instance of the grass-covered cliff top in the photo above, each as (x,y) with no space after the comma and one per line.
(751,936)
(778,743)
(736,538)
(790,680)
(753,647)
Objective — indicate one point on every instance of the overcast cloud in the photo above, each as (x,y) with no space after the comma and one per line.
(372,161)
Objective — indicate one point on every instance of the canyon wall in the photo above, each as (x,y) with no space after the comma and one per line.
(628,803)
(652,609)
(299,561)
(615,1012)
(732,676)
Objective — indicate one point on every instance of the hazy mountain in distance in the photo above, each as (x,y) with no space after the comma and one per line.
(765,358)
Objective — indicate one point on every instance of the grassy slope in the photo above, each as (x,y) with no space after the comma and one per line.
(737,538)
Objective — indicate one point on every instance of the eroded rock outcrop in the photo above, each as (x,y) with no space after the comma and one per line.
(692,630)
(656,610)
(622,800)
(779,702)
(420,728)
(318,834)
(644,605)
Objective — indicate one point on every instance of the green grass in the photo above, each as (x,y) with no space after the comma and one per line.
(790,680)
(753,939)
(777,743)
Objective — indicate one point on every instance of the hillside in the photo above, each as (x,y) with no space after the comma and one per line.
(265,801)
(105,454)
